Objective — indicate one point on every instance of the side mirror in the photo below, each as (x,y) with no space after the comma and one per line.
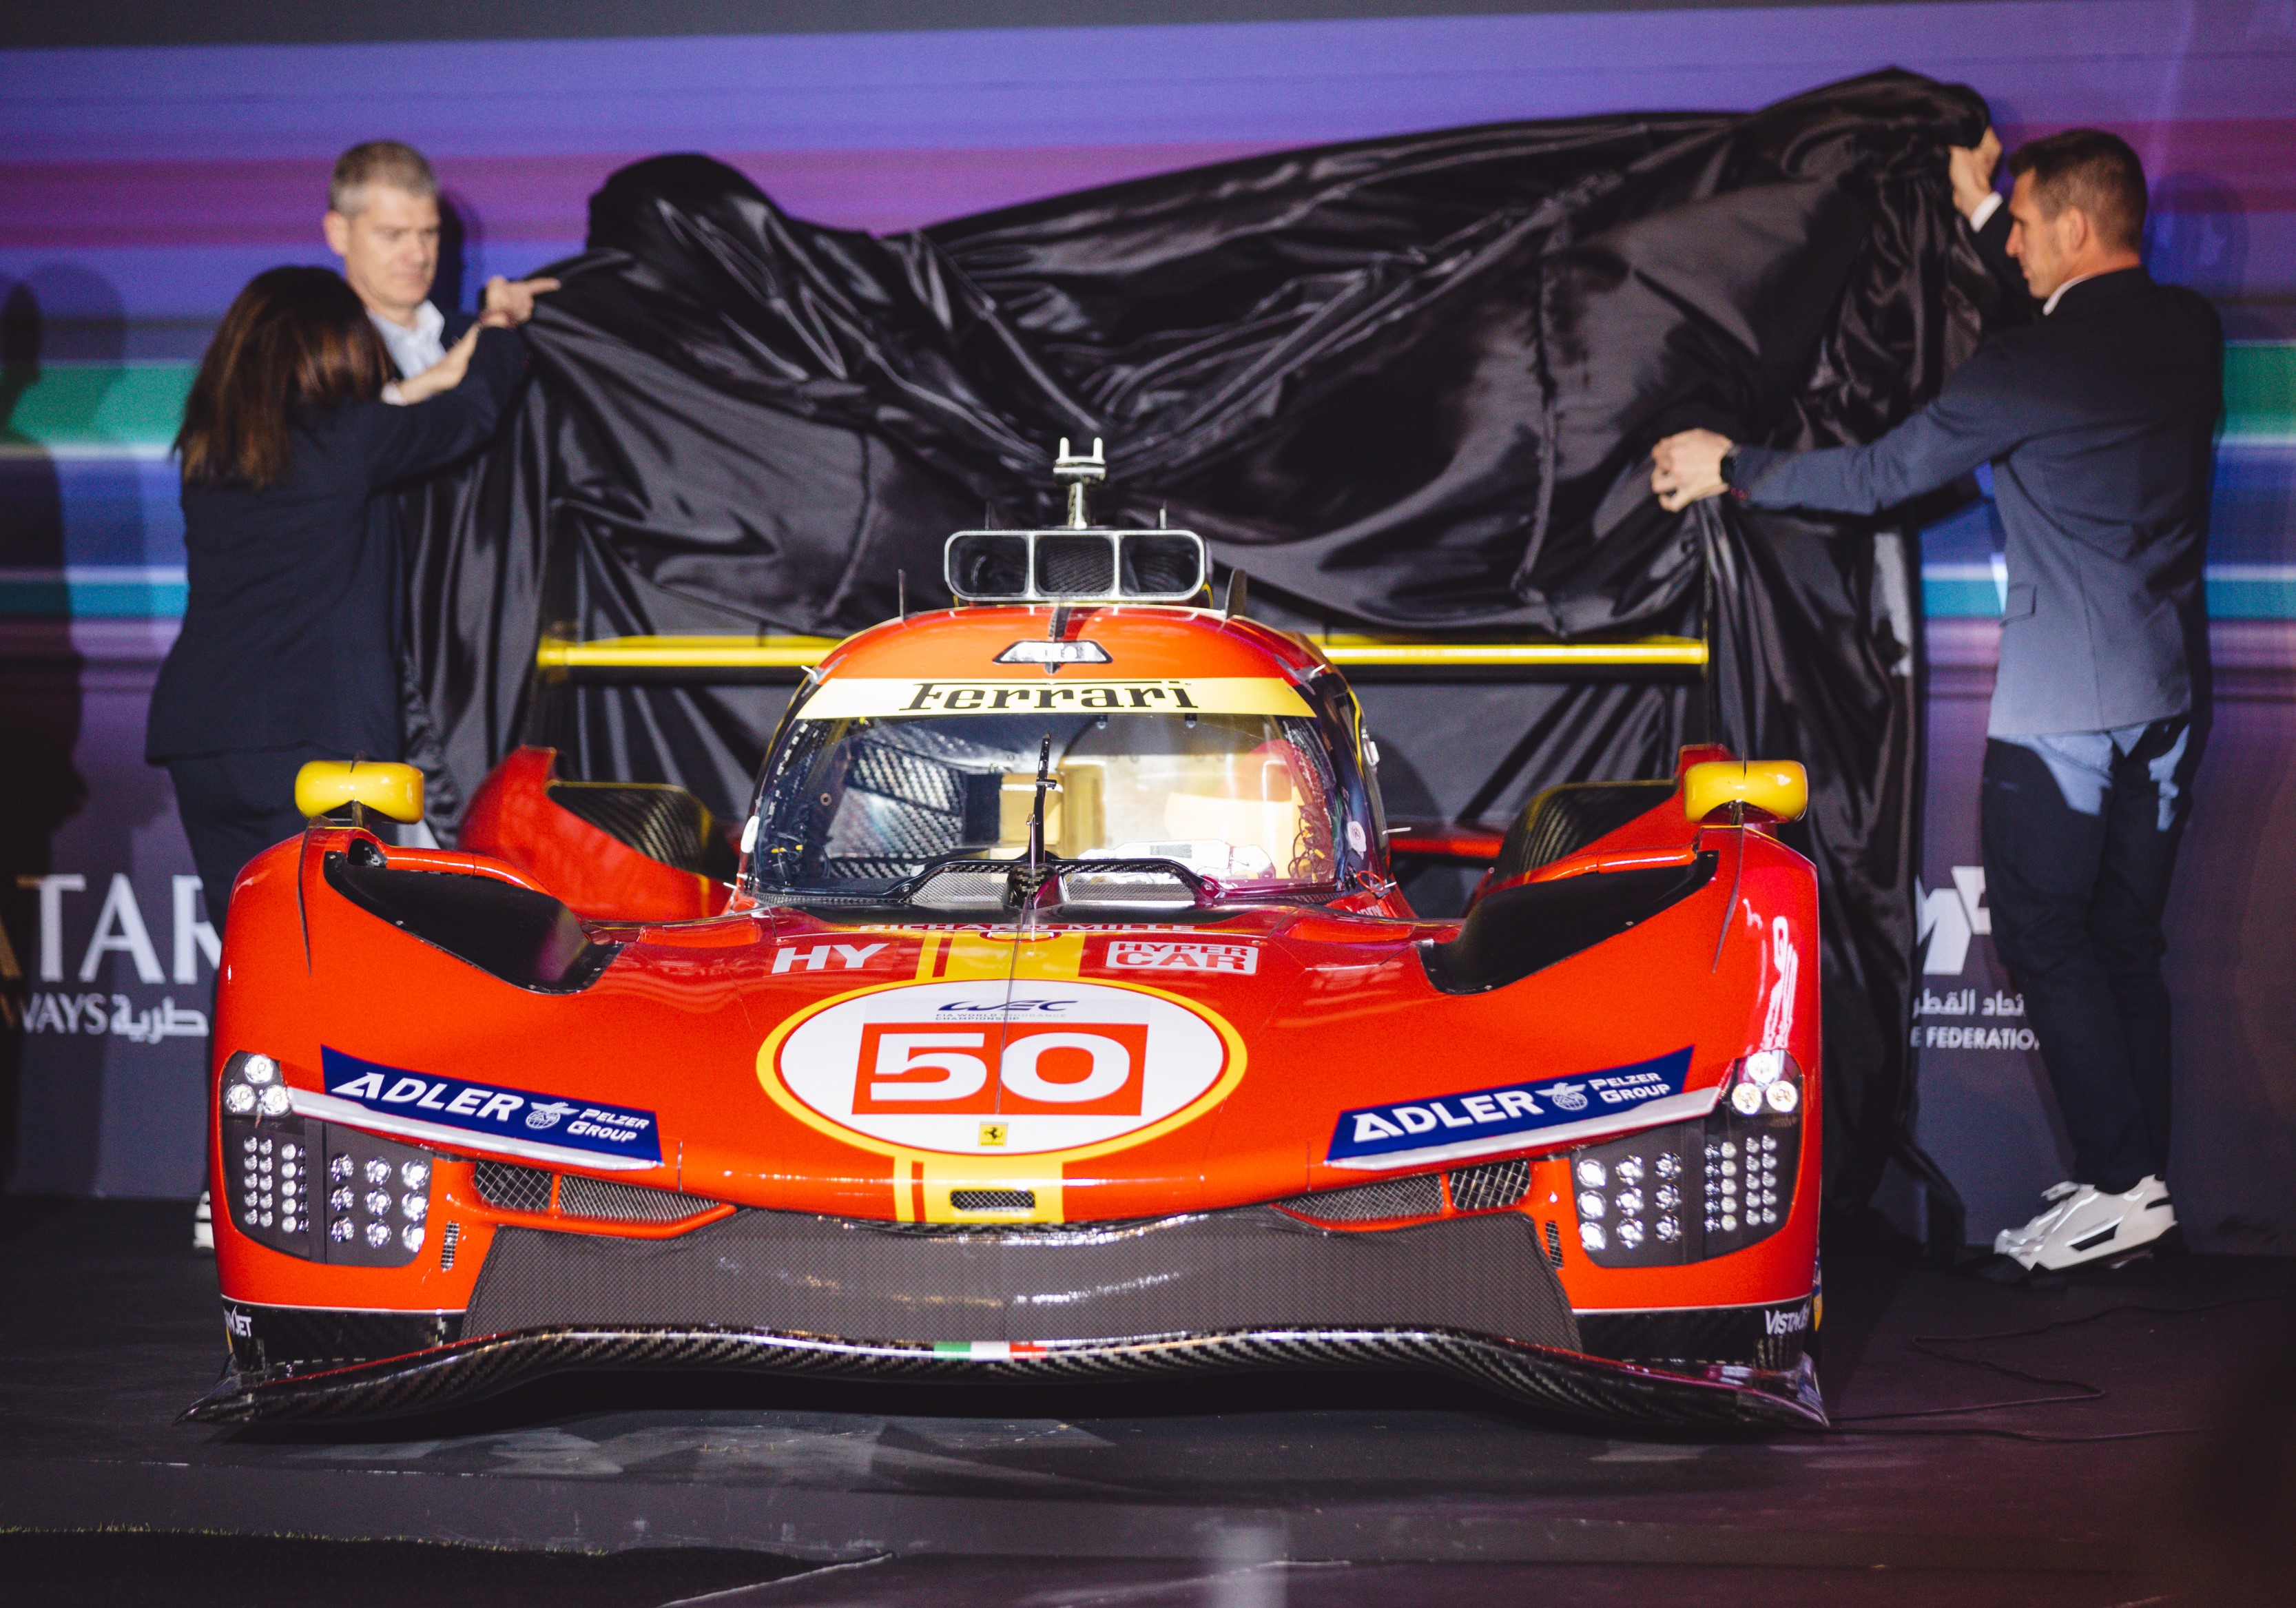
(1777,788)
(323,786)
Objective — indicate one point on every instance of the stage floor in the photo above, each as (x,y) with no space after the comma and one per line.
(1330,1490)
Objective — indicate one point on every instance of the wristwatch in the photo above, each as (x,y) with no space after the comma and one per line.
(1730,468)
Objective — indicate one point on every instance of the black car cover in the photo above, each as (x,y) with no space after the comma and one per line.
(1407,384)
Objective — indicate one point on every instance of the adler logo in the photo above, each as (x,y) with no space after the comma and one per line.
(549,1116)
(935,1066)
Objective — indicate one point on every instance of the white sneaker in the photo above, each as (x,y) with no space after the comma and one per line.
(2082,1224)
(203,1224)
(2005,1243)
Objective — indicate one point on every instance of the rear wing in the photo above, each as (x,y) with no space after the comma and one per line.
(562,665)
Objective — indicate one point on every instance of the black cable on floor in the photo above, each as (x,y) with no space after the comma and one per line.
(1928,1346)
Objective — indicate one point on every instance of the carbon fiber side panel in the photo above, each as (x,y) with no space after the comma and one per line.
(661,822)
(1244,1270)
(1765,1337)
(263,1337)
(1563,820)
(1583,1389)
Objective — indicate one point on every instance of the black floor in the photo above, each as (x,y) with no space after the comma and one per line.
(2164,1470)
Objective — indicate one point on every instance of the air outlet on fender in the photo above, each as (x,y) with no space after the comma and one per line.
(993,1200)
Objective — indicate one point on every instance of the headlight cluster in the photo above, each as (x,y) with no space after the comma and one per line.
(325,1193)
(1690,1191)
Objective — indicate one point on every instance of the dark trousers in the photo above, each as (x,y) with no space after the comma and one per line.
(2080,841)
(234,807)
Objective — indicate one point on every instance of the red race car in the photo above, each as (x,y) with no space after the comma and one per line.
(1057,1018)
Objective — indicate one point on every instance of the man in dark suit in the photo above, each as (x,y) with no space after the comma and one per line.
(2098,418)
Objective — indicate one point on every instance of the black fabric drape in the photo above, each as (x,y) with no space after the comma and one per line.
(1407,384)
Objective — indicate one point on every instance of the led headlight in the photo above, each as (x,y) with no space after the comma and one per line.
(259,1069)
(1591,1173)
(1592,1205)
(239,1100)
(1782,1097)
(414,1174)
(411,1238)
(1591,1235)
(1766,1067)
(414,1207)
(276,1101)
(1746,1099)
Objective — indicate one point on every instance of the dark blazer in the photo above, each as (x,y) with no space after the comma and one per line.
(2098,420)
(292,632)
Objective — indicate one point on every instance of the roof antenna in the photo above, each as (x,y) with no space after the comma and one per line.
(1239,593)
(1078,472)
(901,591)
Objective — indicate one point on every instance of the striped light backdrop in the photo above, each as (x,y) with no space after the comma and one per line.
(142,187)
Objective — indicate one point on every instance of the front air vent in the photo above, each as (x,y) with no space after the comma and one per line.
(1418,1196)
(580,1197)
(513,1188)
(526,1189)
(1490,1188)
(993,1200)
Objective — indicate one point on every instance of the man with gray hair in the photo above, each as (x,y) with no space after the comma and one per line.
(382,220)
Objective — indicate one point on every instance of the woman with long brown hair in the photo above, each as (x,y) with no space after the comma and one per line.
(291,640)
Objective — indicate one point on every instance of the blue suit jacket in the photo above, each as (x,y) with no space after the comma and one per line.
(2098,420)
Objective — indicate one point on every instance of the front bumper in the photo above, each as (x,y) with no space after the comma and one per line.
(1249,1290)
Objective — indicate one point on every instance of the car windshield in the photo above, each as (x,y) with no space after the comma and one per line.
(856,805)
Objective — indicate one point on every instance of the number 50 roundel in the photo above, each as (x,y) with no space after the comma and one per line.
(965,1069)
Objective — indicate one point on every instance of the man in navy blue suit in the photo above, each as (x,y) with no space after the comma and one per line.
(2099,417)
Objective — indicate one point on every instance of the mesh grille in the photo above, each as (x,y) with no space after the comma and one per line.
(1563,820)
(513,1188)
(663,823)
(625,1202)
(1243,1268)
(1420,1197)
(1081,564)
(1490,1188)
(993,1200)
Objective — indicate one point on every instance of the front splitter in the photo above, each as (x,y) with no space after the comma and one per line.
(1566,1383)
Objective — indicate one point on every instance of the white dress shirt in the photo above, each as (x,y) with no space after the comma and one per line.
(416,348)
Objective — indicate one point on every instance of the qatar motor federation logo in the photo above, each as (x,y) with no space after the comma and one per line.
(965,1069)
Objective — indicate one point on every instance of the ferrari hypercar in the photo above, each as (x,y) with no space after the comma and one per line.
(1054,1014)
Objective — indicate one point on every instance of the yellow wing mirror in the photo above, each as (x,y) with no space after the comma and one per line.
(323,786)
(1777,788)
